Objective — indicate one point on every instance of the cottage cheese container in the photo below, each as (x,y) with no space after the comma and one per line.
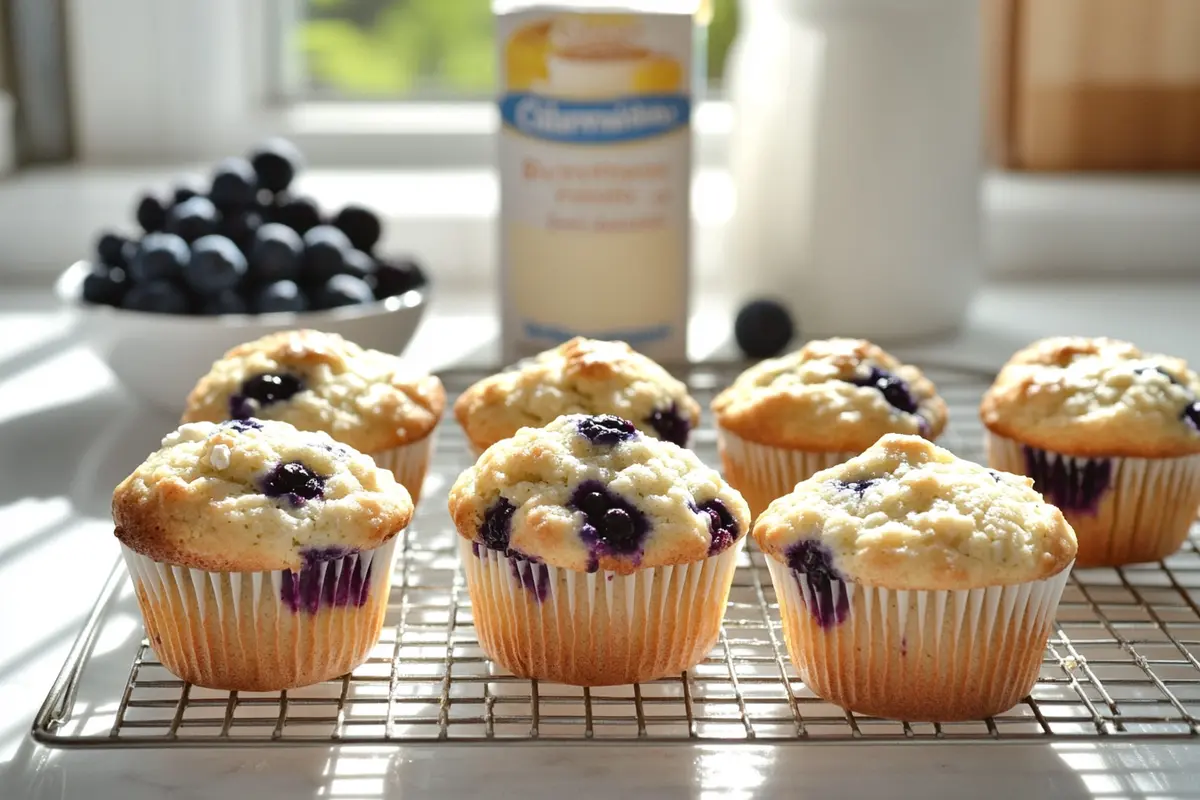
(595,160)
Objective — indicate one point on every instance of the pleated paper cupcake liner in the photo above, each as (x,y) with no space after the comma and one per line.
(918,656)
(600,628)
(408,463)
(1123,510)
(763,473)
(264,631)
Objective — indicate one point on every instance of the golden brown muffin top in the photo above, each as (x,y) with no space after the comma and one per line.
(1096,397)
(831,395)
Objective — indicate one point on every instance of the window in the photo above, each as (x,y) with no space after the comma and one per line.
(197,81)
(419,49)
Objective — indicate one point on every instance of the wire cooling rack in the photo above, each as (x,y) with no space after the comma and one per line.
(1121,664)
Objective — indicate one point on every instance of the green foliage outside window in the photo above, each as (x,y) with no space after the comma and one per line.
(374,49)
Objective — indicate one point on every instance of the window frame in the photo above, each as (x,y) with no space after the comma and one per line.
(168,82)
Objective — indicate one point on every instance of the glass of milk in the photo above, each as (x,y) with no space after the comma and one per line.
(595,163)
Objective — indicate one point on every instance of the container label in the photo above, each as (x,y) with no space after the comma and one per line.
(594,123)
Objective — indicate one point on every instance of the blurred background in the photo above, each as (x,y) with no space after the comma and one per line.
(1072,84)
(1088,111)
(381,49)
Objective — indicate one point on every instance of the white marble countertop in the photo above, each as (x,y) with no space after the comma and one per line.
(68,433)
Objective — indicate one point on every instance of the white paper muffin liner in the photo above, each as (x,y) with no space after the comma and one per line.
(1143,513)
(600,628)
(927,656)
(234,630)
(408,463)
(763,473)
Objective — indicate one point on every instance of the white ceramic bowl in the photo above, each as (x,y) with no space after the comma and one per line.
(159,357)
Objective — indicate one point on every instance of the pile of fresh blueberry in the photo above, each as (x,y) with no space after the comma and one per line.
(242,243)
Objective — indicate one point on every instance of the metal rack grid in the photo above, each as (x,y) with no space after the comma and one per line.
(1122,664)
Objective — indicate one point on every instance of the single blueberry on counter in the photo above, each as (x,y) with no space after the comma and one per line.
(607,429)
(496,529)
(670,425)
(894,389)
(763,328)
(294,481)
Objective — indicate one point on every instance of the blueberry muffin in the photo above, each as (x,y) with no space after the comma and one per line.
(596,554)
(317,381)
(1109,434)
(582,376)
(916,585)
(261,555)
(786,418)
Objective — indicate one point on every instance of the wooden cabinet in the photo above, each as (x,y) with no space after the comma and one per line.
(1094,84)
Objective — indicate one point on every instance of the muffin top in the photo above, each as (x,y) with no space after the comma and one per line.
(255,495)
(831,395)
(907,514)
(320,382)
(1096,397)
(593,492)
(582,376)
